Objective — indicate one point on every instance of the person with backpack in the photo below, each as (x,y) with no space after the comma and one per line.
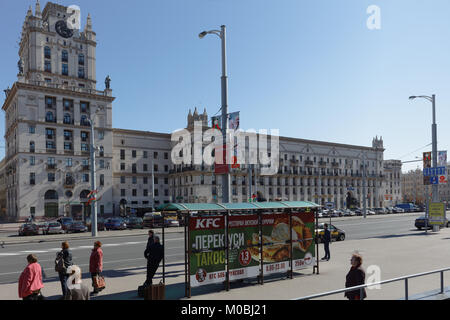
(30,281)
(96,266)
(62,262)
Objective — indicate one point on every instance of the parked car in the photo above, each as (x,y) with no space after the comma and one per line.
(65,222)
(54,228)
(398,210)
(339,212)
(422,220)
(380,211)
(42,227)
(152,219)
(390,209)
(100,224)
(336,233)
(115,224)
(358,212)
(134,223)
(77,226)
(370,212)
(28,229)
(348,213)
(170,222)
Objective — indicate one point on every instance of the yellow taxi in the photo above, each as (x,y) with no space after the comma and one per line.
(336,233)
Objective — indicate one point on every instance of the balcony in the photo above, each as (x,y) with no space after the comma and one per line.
(322,163)
(51,166)
(85,168)
(309,163)
(335,164)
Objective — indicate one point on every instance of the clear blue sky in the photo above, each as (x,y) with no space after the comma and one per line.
(309,68)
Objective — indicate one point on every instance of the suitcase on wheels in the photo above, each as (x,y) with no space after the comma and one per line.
(155,292)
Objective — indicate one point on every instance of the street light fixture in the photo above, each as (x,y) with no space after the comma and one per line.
(224,80)
(432,99)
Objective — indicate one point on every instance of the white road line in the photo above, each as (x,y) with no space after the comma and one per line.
(33,251)
(9,254)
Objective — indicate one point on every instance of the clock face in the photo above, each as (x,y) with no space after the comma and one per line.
(63,30)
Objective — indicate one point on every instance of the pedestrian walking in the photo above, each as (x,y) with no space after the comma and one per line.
(154,256)
(355,277)
(76,289)
(62,262)
(326,242)
(30,281)
(96,266)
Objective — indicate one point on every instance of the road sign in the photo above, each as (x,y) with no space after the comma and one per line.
(329,205)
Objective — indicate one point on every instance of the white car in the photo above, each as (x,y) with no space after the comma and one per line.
(370,212)
(54,228)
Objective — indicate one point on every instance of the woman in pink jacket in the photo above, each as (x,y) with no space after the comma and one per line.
(96,264)
(30,281)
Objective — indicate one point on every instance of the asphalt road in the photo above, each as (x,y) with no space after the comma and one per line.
(126,254)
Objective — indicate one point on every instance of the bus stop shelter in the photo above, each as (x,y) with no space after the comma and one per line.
(226,242)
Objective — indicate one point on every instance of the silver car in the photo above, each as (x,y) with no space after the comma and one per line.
(54,228)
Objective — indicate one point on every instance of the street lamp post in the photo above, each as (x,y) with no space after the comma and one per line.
(93,182)
(224,81)
(435,187)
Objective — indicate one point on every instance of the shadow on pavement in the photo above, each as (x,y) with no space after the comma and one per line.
(420,233)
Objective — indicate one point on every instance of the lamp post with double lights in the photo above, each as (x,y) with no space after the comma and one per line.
(224,80)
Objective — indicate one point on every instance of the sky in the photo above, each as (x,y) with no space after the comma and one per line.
(312,69)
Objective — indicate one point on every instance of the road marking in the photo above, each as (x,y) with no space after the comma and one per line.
(9,254)
(33,251)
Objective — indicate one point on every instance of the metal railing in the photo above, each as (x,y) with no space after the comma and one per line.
(362,287)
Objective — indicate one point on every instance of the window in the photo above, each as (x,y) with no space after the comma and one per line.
(67,135)
(65,69)
(64,56)
(133,153)
(122,179)
(67,119)
(145,167)
(145,180)
(47,53)
(84,136)
(50,102)
(155,167)
(156,180)
(51,177)
(84,147)
(84,120)
(32,178)
(68,104)
(166,155)
(166,168)
(68,146)
(122,192)
(134,180)
(68,162)
(134,193)
(166,180)
(32,160)
(84,107)
(47,66)
(32,129)
(145,193)
(122,166)
(155,155)
(81,72)
(122,154)
(50,133)
(50,145)
(101,135)
(102,179)
(102,164)
(133,168)
(85,177)
(49,117)
(51,161)
(81,59)
(157,192)
(102,151)
(145,156)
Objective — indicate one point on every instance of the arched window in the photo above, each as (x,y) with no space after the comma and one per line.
(49,117)
(47,53)
(67,119)
(65,56)
(81,59)
(51,195)
(84,194)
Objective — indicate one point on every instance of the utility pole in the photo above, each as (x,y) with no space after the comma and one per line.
(364,186)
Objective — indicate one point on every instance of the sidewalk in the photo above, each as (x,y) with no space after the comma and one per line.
(396,256)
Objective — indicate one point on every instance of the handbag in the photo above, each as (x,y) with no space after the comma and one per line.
(99,282)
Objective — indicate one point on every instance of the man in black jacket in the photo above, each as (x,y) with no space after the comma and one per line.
(66,255)
(326,242)
(154,257)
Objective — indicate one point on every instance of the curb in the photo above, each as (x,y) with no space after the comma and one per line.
(6,242)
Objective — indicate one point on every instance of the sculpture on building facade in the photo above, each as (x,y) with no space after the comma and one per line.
(7,91)
(107,82)
(20,66)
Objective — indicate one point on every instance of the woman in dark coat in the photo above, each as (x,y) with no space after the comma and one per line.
(355,277)
(67,257)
